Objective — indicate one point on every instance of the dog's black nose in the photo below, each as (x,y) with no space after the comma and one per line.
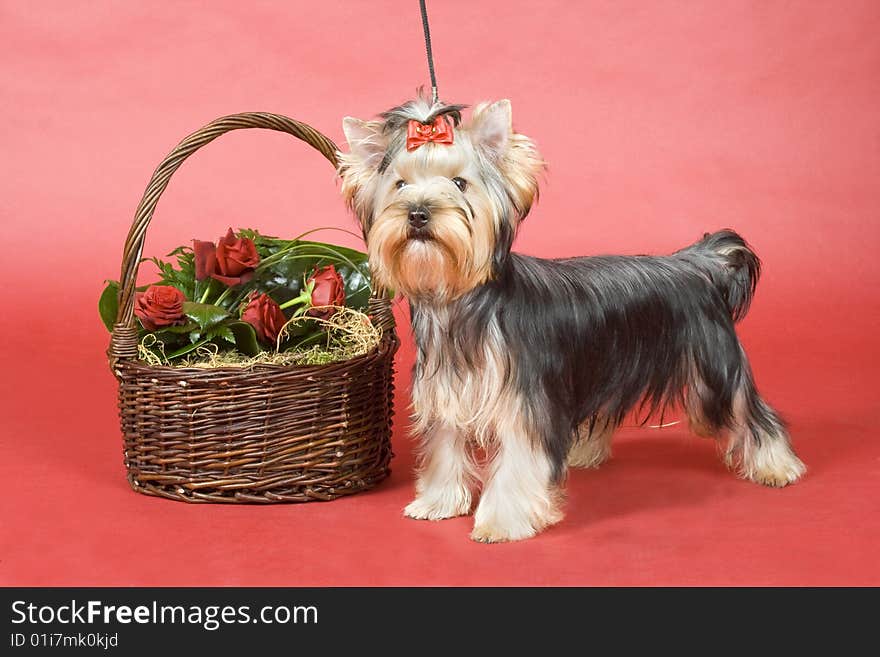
(418,217)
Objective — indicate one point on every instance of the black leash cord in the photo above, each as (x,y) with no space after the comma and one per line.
(428,50)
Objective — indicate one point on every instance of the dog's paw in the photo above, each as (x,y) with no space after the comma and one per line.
(488,533)
(438,508)
(772,463)
(778,476)
(498,520)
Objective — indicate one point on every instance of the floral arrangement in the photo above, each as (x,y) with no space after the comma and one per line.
(250,298)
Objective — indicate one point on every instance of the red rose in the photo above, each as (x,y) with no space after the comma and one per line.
(206,259)
(265,316)
(231,262)
(160,306)
(329,290)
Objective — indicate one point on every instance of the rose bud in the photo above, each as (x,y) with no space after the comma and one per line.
(205,259)
(160,306)
(236,259)
(328,290)
(265,316)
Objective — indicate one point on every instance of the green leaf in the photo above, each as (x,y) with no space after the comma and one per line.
(108,304)
(170,339)
(183,278)
(221,332)
(245,338)
(181,328)
(186,349)
(204,314)
(304,326)
(254,235)
(310,339)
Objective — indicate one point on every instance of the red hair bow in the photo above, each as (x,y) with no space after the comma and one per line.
(417,133)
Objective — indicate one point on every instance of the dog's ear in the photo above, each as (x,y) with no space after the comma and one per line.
(359,168)
(491,127)
(514,154)
(366,142)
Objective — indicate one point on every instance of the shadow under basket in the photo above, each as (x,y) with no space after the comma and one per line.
(263,434)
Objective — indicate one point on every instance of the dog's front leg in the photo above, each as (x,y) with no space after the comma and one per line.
(445,477)
(519,498)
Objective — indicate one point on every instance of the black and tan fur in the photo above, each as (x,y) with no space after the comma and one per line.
(535,360)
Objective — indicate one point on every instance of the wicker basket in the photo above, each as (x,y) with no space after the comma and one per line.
(266,434)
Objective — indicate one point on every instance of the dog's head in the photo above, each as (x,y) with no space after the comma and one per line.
(439,200)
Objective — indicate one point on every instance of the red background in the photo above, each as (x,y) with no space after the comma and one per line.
(659,121)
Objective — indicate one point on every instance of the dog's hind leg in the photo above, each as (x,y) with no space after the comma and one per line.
(593,445)
(701,404)
(758,445)
(722,400)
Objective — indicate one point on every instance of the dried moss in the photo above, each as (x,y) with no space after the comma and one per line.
(347,333)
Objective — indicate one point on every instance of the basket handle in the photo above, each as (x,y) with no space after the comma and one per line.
(124,340)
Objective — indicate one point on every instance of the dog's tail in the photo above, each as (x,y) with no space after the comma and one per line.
(731,265)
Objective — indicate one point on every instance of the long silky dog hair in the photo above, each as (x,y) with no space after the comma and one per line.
(539,360)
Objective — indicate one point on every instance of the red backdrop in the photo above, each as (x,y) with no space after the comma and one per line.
(659,121)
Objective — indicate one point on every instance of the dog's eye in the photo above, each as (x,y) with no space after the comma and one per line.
(400,184)
(461,183)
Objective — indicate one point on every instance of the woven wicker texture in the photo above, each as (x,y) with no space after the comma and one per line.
(265,434)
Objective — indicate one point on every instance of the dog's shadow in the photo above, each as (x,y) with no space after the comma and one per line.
(646,473)
(653,470)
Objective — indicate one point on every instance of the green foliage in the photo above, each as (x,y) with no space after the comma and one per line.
(108,304)
(207,319)
(182,351)
(284,271)
(221,332)
(245,338)
(180,328)
(204,314)
(183,277)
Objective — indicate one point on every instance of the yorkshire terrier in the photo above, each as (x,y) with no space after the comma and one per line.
(537,361)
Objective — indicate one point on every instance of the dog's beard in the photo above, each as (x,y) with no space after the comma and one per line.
(426,268)
(437,264)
